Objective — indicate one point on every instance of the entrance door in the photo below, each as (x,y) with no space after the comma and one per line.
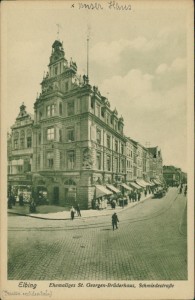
(70,196)
(56,195)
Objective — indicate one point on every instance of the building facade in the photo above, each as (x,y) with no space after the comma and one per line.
(75,141)
(20,153)
(174,176)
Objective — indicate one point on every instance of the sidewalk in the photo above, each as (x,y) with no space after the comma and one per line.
(65,215)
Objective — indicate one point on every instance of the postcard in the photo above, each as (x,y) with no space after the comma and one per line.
(97,157)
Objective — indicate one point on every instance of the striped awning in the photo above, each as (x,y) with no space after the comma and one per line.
(126,186)
(113,188)
(102,191)
(156,182)
(134,185)
(139,182)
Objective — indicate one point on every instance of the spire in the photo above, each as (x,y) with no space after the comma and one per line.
(88,38)
(58,30)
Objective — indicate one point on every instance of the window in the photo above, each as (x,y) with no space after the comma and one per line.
(108,141)
(60,109)
(52,110)
(60,135)
(40,115)
(108,163)
(61,159)
(66,86)
(70,160)
(98,161)
(122,148)
(16,144)
(39,138)
(123,165)
(50,161)
(29,142)
(56,70)
(50,134)
(98,138)
(19,169)
(38,160)
(70,108)
(48,111)
(98,110)
(103,112)
(92,102)
(22,143)
(70,134)
(116,145)
(116,164)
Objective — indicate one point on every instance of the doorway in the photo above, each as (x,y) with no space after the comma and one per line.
(56,195)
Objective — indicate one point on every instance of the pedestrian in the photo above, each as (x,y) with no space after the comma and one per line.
(139,196)
(180,189)
(13,199)
(9,201)
(72,212)
(145,192)
(78,210)
(135,196)
(21,200)
(115,220)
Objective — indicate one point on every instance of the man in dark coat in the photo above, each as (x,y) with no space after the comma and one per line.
(115,220)
(21,199)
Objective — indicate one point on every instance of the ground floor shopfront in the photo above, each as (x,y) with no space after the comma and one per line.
(70,188)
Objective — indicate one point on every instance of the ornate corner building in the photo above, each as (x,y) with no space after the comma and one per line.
(75,141)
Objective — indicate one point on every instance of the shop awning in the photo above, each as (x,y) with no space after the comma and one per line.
(156,182)
(126,187)
(145,182)
(113,188)
(102,191)
(139,182)
(159,182)
(136,186)
(151,183)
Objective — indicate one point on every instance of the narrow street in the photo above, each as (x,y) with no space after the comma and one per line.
(150,244)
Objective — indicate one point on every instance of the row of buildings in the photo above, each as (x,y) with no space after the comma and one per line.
(174,176)
(75,143)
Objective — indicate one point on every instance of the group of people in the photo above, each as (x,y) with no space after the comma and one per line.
(74,210)
(12,200)
(183,188)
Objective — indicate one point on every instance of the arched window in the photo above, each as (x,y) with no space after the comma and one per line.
(70,182)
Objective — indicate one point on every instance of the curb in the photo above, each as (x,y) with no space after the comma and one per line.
(42,218)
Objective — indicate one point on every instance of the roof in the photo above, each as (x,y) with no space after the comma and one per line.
(152,150)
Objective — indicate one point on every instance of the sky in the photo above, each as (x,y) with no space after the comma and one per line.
(137,58)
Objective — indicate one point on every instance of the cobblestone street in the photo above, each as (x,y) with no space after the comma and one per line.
(150,244)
